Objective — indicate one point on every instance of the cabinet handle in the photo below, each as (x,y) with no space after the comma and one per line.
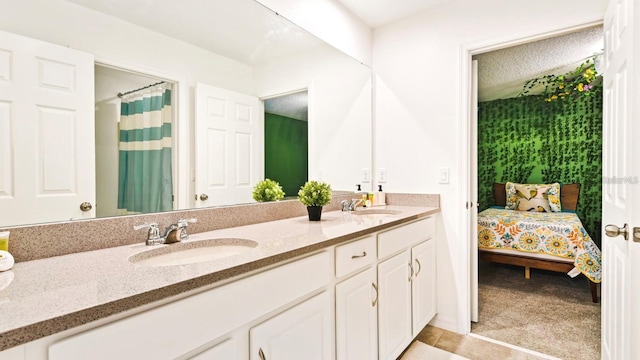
(364,253)
(375,301)
(419,267)
(261,354)
(411,268)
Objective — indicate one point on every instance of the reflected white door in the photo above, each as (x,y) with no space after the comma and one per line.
(46,131)
(621,168)
(229,146)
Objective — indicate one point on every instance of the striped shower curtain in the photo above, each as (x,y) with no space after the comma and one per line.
(145,176)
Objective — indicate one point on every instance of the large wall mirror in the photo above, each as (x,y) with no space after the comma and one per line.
(212,67)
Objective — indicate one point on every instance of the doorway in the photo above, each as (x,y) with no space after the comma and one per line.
(286,140)
(483,194)
(110,82)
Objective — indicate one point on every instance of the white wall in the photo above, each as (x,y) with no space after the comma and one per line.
(419,109)
(330,21)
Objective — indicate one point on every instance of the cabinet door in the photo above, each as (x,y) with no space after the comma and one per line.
(394,306)
(357,317)
(423,293)
(302,332)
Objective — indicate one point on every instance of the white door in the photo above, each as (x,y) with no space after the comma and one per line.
(229,146)
(621,168)
(423,292)
(46,131)
(394,305)
(357,317)
(302,332)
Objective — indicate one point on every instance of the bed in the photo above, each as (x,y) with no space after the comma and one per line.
(555,241)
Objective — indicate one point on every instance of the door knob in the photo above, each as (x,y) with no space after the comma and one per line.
(636,234)
(613,231)
(204,197)
(86,206)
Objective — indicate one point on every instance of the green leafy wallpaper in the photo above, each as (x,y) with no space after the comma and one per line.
(286,152)
(528,140)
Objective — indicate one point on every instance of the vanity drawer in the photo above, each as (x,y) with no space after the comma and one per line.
(403,237)
(355,255)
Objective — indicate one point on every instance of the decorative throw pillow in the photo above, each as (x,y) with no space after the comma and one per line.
(553,194)
(533,197)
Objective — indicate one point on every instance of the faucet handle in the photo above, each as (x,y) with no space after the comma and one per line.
(182,225)
(185,222)
(154,231)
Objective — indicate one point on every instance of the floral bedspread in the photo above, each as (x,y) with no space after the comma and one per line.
(558,234)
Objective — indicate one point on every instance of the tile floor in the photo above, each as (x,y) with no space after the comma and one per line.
(470,346)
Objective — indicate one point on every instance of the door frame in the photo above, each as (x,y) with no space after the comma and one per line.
(182,142)
(469,150)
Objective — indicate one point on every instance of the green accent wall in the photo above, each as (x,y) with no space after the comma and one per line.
(528,140)
(286,152)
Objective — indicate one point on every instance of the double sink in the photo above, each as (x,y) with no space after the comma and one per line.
(192,252)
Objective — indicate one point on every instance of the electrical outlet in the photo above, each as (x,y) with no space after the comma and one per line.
(366,175)
(320,175)
(382,175)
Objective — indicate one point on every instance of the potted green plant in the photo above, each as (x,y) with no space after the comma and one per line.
(267,190)
(315,194)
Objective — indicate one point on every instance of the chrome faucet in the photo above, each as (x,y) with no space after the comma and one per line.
(350,205)
(173,233)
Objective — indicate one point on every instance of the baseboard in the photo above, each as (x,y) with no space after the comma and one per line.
(444,322)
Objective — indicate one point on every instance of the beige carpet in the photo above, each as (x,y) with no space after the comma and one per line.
(422,351)
(550,313)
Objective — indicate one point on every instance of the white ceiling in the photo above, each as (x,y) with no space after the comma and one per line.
(379,12)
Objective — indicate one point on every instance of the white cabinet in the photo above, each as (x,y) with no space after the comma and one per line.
(225,350)
(407,285)
(394,308)
(302,332)
(423,285)
(357,317)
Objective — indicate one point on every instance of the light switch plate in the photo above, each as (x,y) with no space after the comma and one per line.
(366,175)
(443,175)
(382,175)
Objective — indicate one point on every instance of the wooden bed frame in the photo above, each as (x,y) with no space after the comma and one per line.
(569,198)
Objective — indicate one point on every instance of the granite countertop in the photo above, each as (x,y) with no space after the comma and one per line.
(43,297)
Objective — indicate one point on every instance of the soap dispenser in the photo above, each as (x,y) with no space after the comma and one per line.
(380,197)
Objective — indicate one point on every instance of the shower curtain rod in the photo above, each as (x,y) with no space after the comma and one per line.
(142,88)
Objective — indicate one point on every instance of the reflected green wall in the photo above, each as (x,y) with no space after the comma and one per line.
(528,140)
(286,152)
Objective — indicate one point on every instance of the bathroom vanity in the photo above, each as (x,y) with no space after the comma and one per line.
(354,285)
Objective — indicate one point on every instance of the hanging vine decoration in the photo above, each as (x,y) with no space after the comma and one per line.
(577,83)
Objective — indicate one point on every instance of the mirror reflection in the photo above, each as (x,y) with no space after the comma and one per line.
(223,84)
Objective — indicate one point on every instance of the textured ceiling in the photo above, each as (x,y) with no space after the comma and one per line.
(295,106)
(502,73)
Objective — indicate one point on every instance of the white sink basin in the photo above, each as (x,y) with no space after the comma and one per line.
(193,252)
(383,212)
